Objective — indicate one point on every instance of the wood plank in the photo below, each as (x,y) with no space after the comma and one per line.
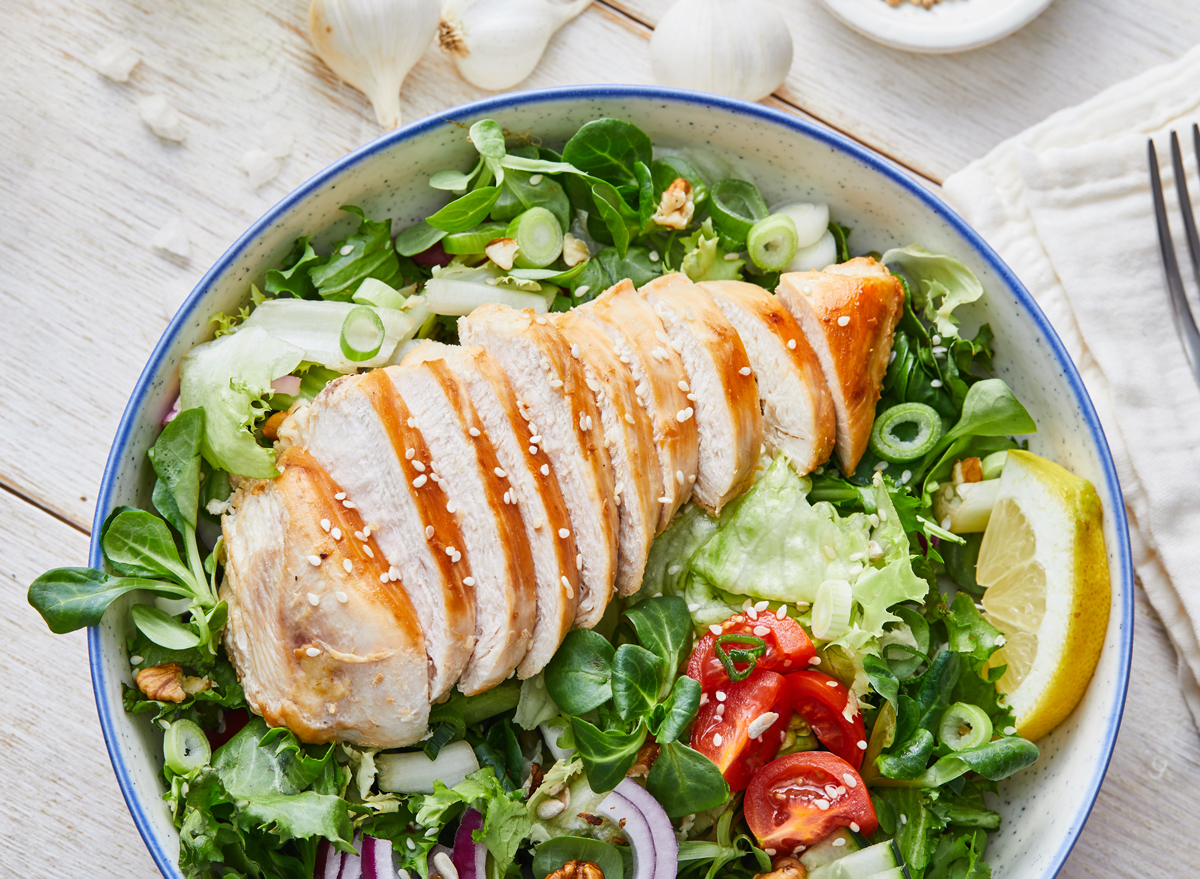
(62,809)
(86,186)
(935,113)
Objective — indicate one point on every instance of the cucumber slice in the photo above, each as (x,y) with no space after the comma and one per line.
(185,747)
(863,864)
(829,849)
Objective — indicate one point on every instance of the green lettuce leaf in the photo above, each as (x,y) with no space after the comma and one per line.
(942,284)
(704,257)
(506,822)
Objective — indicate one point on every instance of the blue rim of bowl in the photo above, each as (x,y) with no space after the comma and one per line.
(884,166)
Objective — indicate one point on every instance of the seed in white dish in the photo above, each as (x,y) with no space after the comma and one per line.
(313,599)
(418,466)
(715,629)
(313,651)
(347,565)
(843,320)
(468,581)
(341,597)
(420,480)
(791,344)
(336,533)
(717,740)
(564,533)
(325,525)
(745,370)
(315,561)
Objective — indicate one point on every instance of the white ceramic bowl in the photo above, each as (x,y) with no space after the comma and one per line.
(1044,807)
(950,26)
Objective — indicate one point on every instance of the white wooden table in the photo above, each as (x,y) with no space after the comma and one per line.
(84,186)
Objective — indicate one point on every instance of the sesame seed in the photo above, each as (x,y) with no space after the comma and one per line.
(325,525)
(468,581)
(761,630)
(692,608)
(1009,730)
(781,613)
(315,561)
(535,439)
(854,825)
(545,470)
(745,370)
(770,852)
(474,431)
(715,629)
(629,418)
(450,550)
(798,849)
(936,383)
(856,556)
(541,321)
(654,256)
(791,344)
(862,745)
(720,693)
(555,383)
(428,532)
(832,791)
(905,476)
(349,505)
(313,651)
(752,613)
(408,454)
(336,533)
(579,561)
(703,699)
(420,480)
(412,846)
(533,450)
(843,320)
(816,660)
(830,552)
(582,289)
(717,740)
(393,573)
(370,552)
(850,780)
(831,683)
(673,570)
(939,350)
(412,422)
(564,533)
(435,477)
(348,565)
(570,592)
(341,597)
(506,500)
(136,660)
(313,599)
(691,480)
(575,350)
(418,466)
(903,818)
(340,496)
(731,257)
(681,416)
(535,179)
(566,582)
(499,472)
(683,386)
(383,578)
(679,476)
(664,500)
(457,557)
(841,840)
(358,535)
(787,663)
(823,805)
(946,524)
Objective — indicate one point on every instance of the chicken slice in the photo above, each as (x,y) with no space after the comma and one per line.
(553,398)
(724,398)
(465,464)
(641,344)
(534,490)
(323,636)
(848,313)
(629,436)
(359,430)
(797,408)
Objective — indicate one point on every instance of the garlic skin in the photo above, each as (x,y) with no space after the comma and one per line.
(737,48)
(496,44)
(373,44)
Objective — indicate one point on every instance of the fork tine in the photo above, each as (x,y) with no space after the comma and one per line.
(1185,202)
(1186,324)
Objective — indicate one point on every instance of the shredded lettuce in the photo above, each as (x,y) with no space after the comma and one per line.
(704,257)
(230,379)
(942,284)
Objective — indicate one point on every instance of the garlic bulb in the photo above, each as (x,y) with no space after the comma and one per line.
(372,44)
(497,43)
(738,48)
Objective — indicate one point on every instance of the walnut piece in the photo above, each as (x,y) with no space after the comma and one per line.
(646,756)
(502,251)
(168,683)
(578,870)
(676,208)
(784,868)
(574,251)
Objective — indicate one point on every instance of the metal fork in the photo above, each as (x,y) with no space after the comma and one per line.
(1185,322)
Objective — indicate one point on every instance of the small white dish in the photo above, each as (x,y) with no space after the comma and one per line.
(949,26)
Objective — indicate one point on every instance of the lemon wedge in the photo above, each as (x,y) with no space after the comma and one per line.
(1043,563)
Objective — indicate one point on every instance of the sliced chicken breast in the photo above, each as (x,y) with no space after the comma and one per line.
(323,637)
(797,407)
(641,344)
(465,464)
(848,313)
(723,396)
(553,398)
(534,491)
(629,437)
(362,433)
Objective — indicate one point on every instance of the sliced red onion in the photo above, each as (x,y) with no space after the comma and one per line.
(352,866)
(469,857)
(647,827)
(329,861)
(289,385)
(377,859)
(170,416)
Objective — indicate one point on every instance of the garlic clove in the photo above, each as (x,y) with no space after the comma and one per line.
(161,118)
(116,61)
(737,48)
(373,44)
(496,44)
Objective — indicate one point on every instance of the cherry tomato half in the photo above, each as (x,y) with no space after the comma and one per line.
(786,647)
(798,799)
(724,724)
(821,700)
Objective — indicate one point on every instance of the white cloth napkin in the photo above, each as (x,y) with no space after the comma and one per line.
(1067,204)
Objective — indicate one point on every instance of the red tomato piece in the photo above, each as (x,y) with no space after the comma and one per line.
(798,799)
(788,648)
(723,727)
(821,700)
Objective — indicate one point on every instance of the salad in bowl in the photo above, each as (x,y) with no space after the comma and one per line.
(622,516)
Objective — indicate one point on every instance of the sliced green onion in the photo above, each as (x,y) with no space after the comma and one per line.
(772,242)
(993,464)
(736,206)
(362,334)
(185,747)
(473,240)
(539,236)
(965,726)
(831,610)
(746,655)
(906,432)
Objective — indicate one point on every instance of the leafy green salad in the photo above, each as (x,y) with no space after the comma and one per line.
(803,685)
